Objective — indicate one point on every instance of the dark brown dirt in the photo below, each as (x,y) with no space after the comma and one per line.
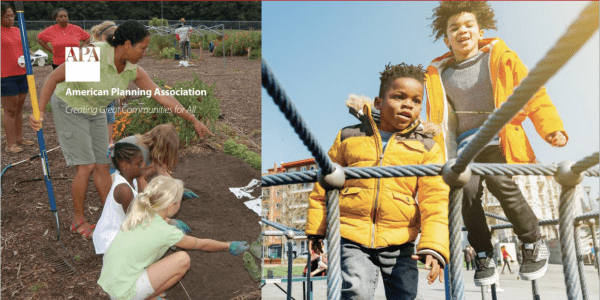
(27,224)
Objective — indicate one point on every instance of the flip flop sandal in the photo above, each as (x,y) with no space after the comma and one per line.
(87,233)
(14,149)
(26,143)
(252,268)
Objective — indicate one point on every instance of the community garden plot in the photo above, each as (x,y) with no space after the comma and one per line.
(27,223)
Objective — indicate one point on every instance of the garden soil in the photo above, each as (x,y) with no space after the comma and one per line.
(27,224)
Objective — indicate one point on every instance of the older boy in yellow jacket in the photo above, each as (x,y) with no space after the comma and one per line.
(380,218)
(464,86)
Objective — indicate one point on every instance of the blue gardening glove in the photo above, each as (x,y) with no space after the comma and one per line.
(188,194)
(180,225)
(236,248)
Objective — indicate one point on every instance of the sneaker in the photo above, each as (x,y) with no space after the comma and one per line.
(485,273)
(535,260)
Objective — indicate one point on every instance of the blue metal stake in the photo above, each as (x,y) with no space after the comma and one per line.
(36,113)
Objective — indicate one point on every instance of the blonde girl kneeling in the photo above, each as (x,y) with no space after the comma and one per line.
(132,266)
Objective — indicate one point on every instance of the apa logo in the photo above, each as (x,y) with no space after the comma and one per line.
(82,64)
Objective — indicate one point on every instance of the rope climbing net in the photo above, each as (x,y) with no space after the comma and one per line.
(456,172)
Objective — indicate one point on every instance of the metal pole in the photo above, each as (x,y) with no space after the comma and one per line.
(580,266)
(334,274)
(290,266)
(456,259)
(161,10)
(534,289)
(567,196)
(592,226)
(223,32)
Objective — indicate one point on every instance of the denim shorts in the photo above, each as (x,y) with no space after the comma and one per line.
(82,138)
(14,85)
(110,113)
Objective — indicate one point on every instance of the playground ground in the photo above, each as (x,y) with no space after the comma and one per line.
(27,224)
(550,287)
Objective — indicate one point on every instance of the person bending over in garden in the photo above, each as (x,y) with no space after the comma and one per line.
(159,148)
(132,267)
(62,35)
(81,121)
(464,87)
(380,218)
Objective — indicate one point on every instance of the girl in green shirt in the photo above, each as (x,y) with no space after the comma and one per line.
(132,266)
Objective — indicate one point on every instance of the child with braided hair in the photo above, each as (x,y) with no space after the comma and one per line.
(132,266)
(380,218)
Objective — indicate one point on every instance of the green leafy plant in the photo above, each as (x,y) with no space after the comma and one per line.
(144,114)
(77,257)
(160,42)
(168,52)
(238,42)
(158,22)
(255,54)
(242,152)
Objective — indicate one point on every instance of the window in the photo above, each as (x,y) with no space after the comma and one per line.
(312,167)
(303,169)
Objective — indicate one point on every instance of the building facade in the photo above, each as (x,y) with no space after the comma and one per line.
(287,205)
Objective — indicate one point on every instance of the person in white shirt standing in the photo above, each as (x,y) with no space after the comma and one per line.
(183,36)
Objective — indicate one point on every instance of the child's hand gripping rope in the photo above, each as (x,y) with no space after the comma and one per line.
(238,247)
(180,225)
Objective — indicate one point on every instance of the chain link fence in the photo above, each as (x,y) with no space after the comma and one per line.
(88,24)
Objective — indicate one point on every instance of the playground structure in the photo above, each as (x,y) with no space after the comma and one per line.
(457,172)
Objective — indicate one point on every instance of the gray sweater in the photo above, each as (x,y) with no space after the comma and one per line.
(469,90)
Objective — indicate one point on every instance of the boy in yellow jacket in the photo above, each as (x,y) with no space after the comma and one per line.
(464,86)
(380,218)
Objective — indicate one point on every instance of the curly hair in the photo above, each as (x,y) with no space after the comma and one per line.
(130,30)
(401,70)
(484,14)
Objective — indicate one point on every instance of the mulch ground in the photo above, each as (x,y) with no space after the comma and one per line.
(27,226)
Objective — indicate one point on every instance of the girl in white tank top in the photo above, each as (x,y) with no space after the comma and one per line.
(128,160)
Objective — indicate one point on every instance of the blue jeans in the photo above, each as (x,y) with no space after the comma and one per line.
(360,266)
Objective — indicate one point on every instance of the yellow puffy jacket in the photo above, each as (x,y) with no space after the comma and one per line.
(506,72)
(383,212)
